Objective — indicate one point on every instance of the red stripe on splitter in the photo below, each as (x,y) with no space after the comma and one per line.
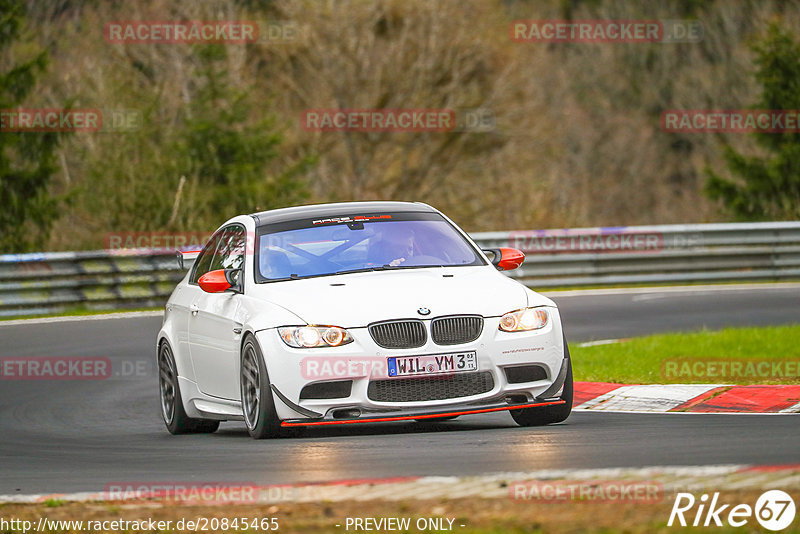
(424,416)
(756,399)
(586,391)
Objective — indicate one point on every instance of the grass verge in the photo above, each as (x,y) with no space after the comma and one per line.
(764,355)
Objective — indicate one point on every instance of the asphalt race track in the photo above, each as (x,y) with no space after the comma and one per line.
(61,436)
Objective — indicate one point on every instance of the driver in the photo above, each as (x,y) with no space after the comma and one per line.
(396,247)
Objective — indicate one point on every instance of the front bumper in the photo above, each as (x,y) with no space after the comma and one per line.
(288,370)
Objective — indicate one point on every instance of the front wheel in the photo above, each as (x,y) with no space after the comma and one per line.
(547,415)
(258,406)
(172,410)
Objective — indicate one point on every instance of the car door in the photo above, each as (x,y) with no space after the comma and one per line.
(182,299)
(214,334)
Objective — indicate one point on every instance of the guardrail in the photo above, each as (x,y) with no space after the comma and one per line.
(684,253)
(109,279)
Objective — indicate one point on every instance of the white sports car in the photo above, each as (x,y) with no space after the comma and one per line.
(356,312)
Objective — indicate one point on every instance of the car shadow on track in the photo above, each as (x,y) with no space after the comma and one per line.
(384,429)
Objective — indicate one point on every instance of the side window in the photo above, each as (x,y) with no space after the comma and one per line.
(230,250)
(203,262)
(225,250)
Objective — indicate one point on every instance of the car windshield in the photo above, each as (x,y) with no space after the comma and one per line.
(325,246)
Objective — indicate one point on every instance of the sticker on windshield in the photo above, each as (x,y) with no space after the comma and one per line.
(347,219)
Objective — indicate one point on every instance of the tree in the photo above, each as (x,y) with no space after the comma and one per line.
(27,159)
(229,152)
(770,186)
(194,161)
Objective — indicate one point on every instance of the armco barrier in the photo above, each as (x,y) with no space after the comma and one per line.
(51,282)
(55,281)
(669,254)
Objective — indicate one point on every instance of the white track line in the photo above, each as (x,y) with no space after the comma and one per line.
(667,289)
(94,317)
(600,342)
(559,294)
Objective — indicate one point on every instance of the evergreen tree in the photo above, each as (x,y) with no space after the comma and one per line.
(228,152)
(27,159)
(769,187)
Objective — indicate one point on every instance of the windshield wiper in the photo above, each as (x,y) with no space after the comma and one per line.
(359,270)
(386,267)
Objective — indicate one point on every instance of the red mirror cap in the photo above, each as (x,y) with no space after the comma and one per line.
(214,281)
(510,259)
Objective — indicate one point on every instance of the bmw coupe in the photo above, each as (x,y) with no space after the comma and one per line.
(350,313)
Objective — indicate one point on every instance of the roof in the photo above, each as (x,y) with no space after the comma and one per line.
(336,210)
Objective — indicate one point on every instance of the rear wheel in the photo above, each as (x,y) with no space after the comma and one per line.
(172,410)
(258,406)
(547,415)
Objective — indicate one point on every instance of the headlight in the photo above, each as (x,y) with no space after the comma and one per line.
(523,320)
(307,337)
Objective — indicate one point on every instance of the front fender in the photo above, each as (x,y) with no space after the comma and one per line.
(257,315)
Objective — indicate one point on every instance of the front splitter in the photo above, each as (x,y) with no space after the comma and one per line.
(426,415)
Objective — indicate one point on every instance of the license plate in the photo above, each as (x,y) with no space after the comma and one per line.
(433,364)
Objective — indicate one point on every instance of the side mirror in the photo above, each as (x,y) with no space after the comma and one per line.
(221,280)
(186,256)
(506,259)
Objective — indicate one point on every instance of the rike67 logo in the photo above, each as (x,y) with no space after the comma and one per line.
(774,510)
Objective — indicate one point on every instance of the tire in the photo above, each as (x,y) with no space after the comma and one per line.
(547,415)
(172,411)
(258,405)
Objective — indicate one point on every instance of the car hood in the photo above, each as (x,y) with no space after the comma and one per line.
(358,299)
